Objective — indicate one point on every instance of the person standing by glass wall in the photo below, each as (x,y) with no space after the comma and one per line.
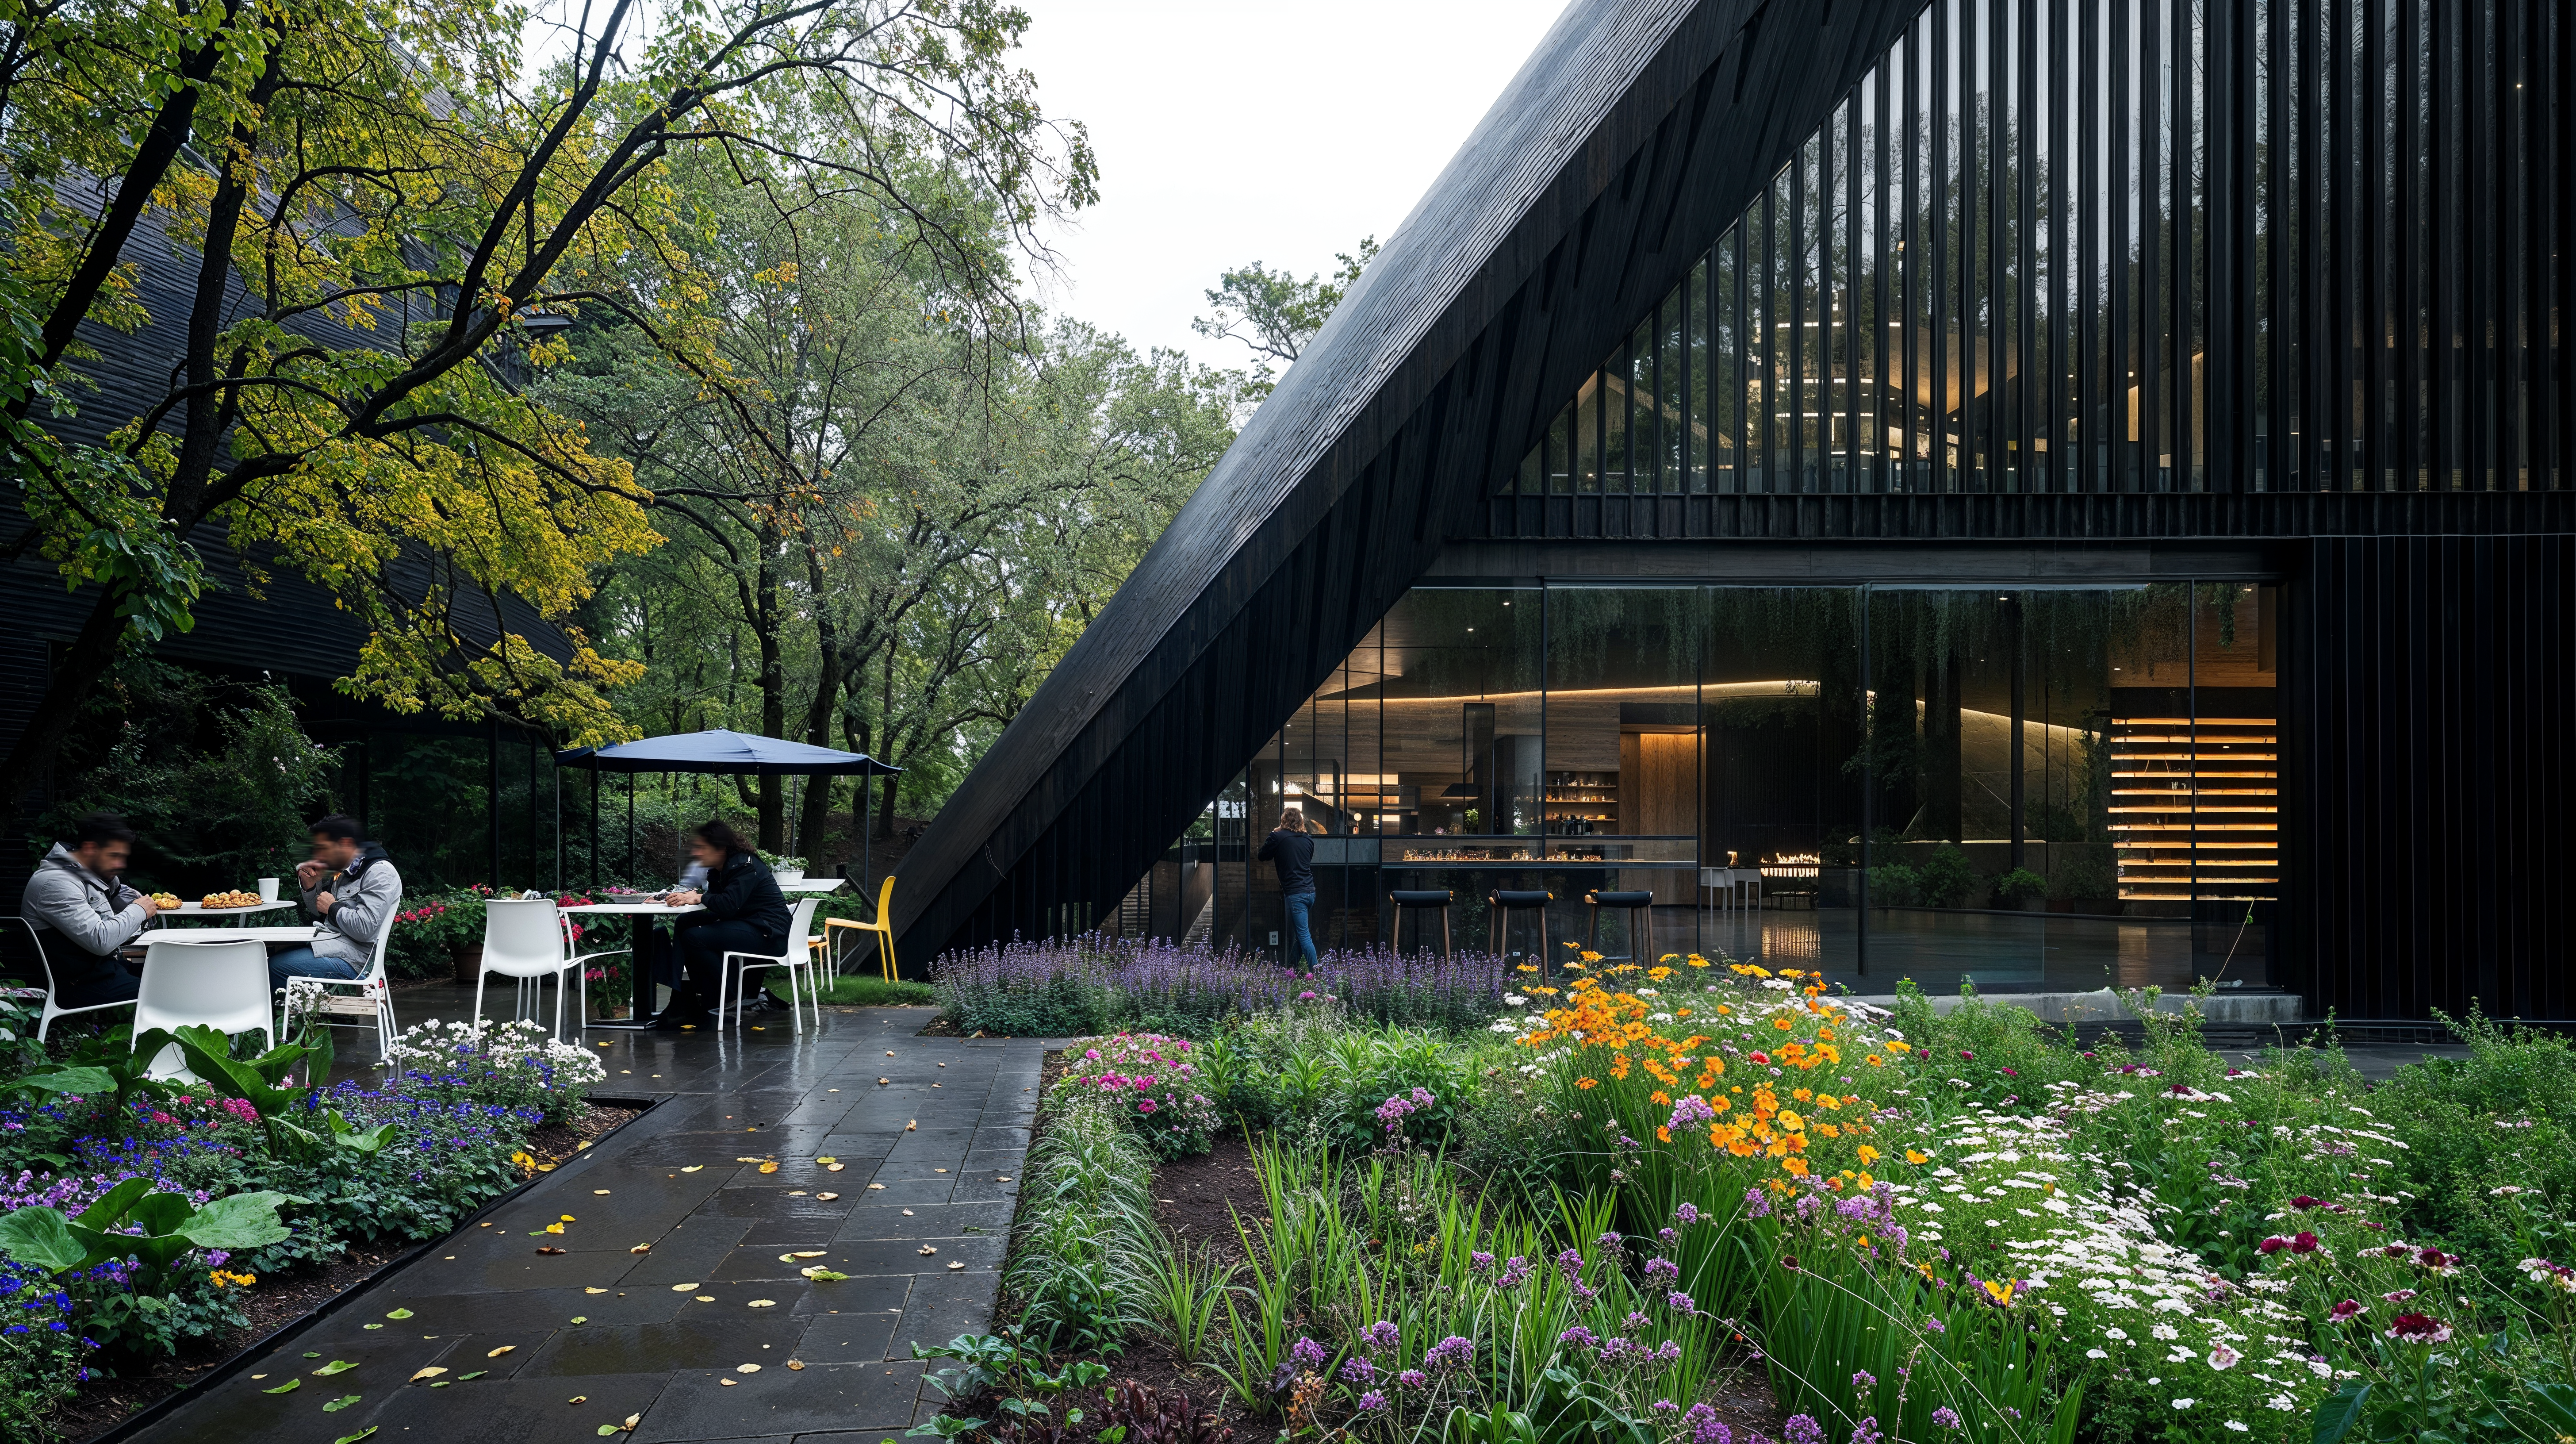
(1292,853)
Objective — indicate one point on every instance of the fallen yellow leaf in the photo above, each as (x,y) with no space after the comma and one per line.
(796,1364)
(762,1304)
(809,1253)
(641,1248)
(682,1288)
(432,1372)
(746,1368)
(827,1197)
(578,1399)
(827,1160)
(769,1168)
(504,1349)
(692,1168)
(589,1290)
(728,1383)
(834,1167)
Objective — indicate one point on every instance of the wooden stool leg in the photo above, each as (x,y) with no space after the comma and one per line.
(1444,932)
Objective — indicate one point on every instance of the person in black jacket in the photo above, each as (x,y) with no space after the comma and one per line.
(745,913)
(1292,852)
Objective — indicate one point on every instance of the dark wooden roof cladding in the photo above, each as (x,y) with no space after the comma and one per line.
(1636,130)
(290,625)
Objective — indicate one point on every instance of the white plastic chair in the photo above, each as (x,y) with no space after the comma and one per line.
(799,957)
(524,939)
(218,985)
(372,991)
(54,1009)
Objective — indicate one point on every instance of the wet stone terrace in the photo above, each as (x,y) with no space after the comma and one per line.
(695,1334)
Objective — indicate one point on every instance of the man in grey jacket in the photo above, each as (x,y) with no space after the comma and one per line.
(83,913)
(351,892)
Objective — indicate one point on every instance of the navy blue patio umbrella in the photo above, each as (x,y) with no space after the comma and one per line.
(718,750)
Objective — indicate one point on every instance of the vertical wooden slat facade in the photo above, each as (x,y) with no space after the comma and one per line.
(2024,272)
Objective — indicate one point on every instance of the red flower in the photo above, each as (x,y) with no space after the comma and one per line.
(2010,1073)
(1761,1057)
(2395,1250)
(2303,1201)
(1965,1055)
(2345,1311)
(2434,1258)
(2419,1329)
(2272,1245)
(2305,1243)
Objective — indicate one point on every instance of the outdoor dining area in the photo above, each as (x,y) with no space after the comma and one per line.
(245,962)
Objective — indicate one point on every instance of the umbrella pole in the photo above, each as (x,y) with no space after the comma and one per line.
(594,829)
(867,833)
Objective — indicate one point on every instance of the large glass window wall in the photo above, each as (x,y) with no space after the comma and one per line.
(2033,789)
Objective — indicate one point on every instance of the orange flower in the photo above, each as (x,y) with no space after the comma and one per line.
(1797,1166)
(1866,1154)
(1587,1084)
(1782,1023)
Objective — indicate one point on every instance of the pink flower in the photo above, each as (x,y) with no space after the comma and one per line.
(2345,1312)
(1144,1105)
(2305,1243)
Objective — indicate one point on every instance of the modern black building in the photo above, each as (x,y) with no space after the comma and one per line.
(1875,447)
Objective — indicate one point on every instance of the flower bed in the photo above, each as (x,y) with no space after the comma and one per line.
(1653,1193)
(1095,984)
(141,1221)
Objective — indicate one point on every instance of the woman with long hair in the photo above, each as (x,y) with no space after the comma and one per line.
(744,913)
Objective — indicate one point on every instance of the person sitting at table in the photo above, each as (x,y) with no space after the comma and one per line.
(744,912)
(83,912)
(351,892)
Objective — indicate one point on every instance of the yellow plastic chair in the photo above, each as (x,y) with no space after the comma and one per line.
(883,927)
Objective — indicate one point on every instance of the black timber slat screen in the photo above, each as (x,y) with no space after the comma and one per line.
(2113,246)
(2433,683)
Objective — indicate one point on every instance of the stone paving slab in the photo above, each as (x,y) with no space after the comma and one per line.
(930,1159)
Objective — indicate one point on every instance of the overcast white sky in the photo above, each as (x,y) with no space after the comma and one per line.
(1231,131)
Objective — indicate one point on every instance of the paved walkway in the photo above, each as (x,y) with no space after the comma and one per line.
(713,1333)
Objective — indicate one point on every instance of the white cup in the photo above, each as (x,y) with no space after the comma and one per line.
(268,889)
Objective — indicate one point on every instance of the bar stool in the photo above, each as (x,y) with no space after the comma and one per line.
(1418,900)
(1498,929)
(1639,904)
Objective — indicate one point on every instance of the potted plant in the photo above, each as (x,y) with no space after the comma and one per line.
(2084,883)
(785,869)
(441,929)
(2023,889)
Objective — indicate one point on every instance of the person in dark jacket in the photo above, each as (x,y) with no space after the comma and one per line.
(745,913)
(1292,852)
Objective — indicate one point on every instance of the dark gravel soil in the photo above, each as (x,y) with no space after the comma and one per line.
(279,1300)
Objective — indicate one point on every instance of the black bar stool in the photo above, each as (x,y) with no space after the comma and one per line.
(1641,921)
(1408,900)
(1498,930)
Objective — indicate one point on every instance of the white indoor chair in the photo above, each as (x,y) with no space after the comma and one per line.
(797,958)
(186,984)
(523,939)
(365,1001)
(53,1007)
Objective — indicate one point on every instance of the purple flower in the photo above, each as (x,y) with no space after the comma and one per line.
(1946,1417)
(1372,1401)
(1570,1264)
(1381,1335)
(1662,1268)
(1516,1271)
(1481,1261)
(1357,1370)
(1866,1431)
(1706,1427)
(1686,1215)
(1678,1302)
(1689,1111)
(1580,1337)
(1934,1325)
(1665,1406)
(1413,1378)
(1757,1204)
(1307,1352)
(1803,1429)
(1864,1380)
(1452,1352)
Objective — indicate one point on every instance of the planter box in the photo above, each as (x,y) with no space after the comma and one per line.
(469,963)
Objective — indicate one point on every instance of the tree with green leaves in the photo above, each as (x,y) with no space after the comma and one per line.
(1276,314)
(362,200)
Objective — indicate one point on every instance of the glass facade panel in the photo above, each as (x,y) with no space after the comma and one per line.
(2036,789)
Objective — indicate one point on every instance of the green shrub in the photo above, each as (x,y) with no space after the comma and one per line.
(1082,1250)
(1946,879)
(2019,886)
(1894,885)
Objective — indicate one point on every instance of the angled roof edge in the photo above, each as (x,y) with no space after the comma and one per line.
(1567,130)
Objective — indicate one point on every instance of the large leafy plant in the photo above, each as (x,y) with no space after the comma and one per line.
(134,1221)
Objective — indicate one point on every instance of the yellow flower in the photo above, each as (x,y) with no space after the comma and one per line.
(1866,1154)
(1899,1045)
(554,1228)
(1913,1155)
(1525,967)
(2001,1291)
(1792,1122)
(1696,961)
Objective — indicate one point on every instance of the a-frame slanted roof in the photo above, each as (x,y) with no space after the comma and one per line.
(1636,130)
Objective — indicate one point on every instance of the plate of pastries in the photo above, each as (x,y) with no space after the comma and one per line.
(165,900)
(224,901)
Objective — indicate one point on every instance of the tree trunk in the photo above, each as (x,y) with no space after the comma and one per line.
(773,702)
